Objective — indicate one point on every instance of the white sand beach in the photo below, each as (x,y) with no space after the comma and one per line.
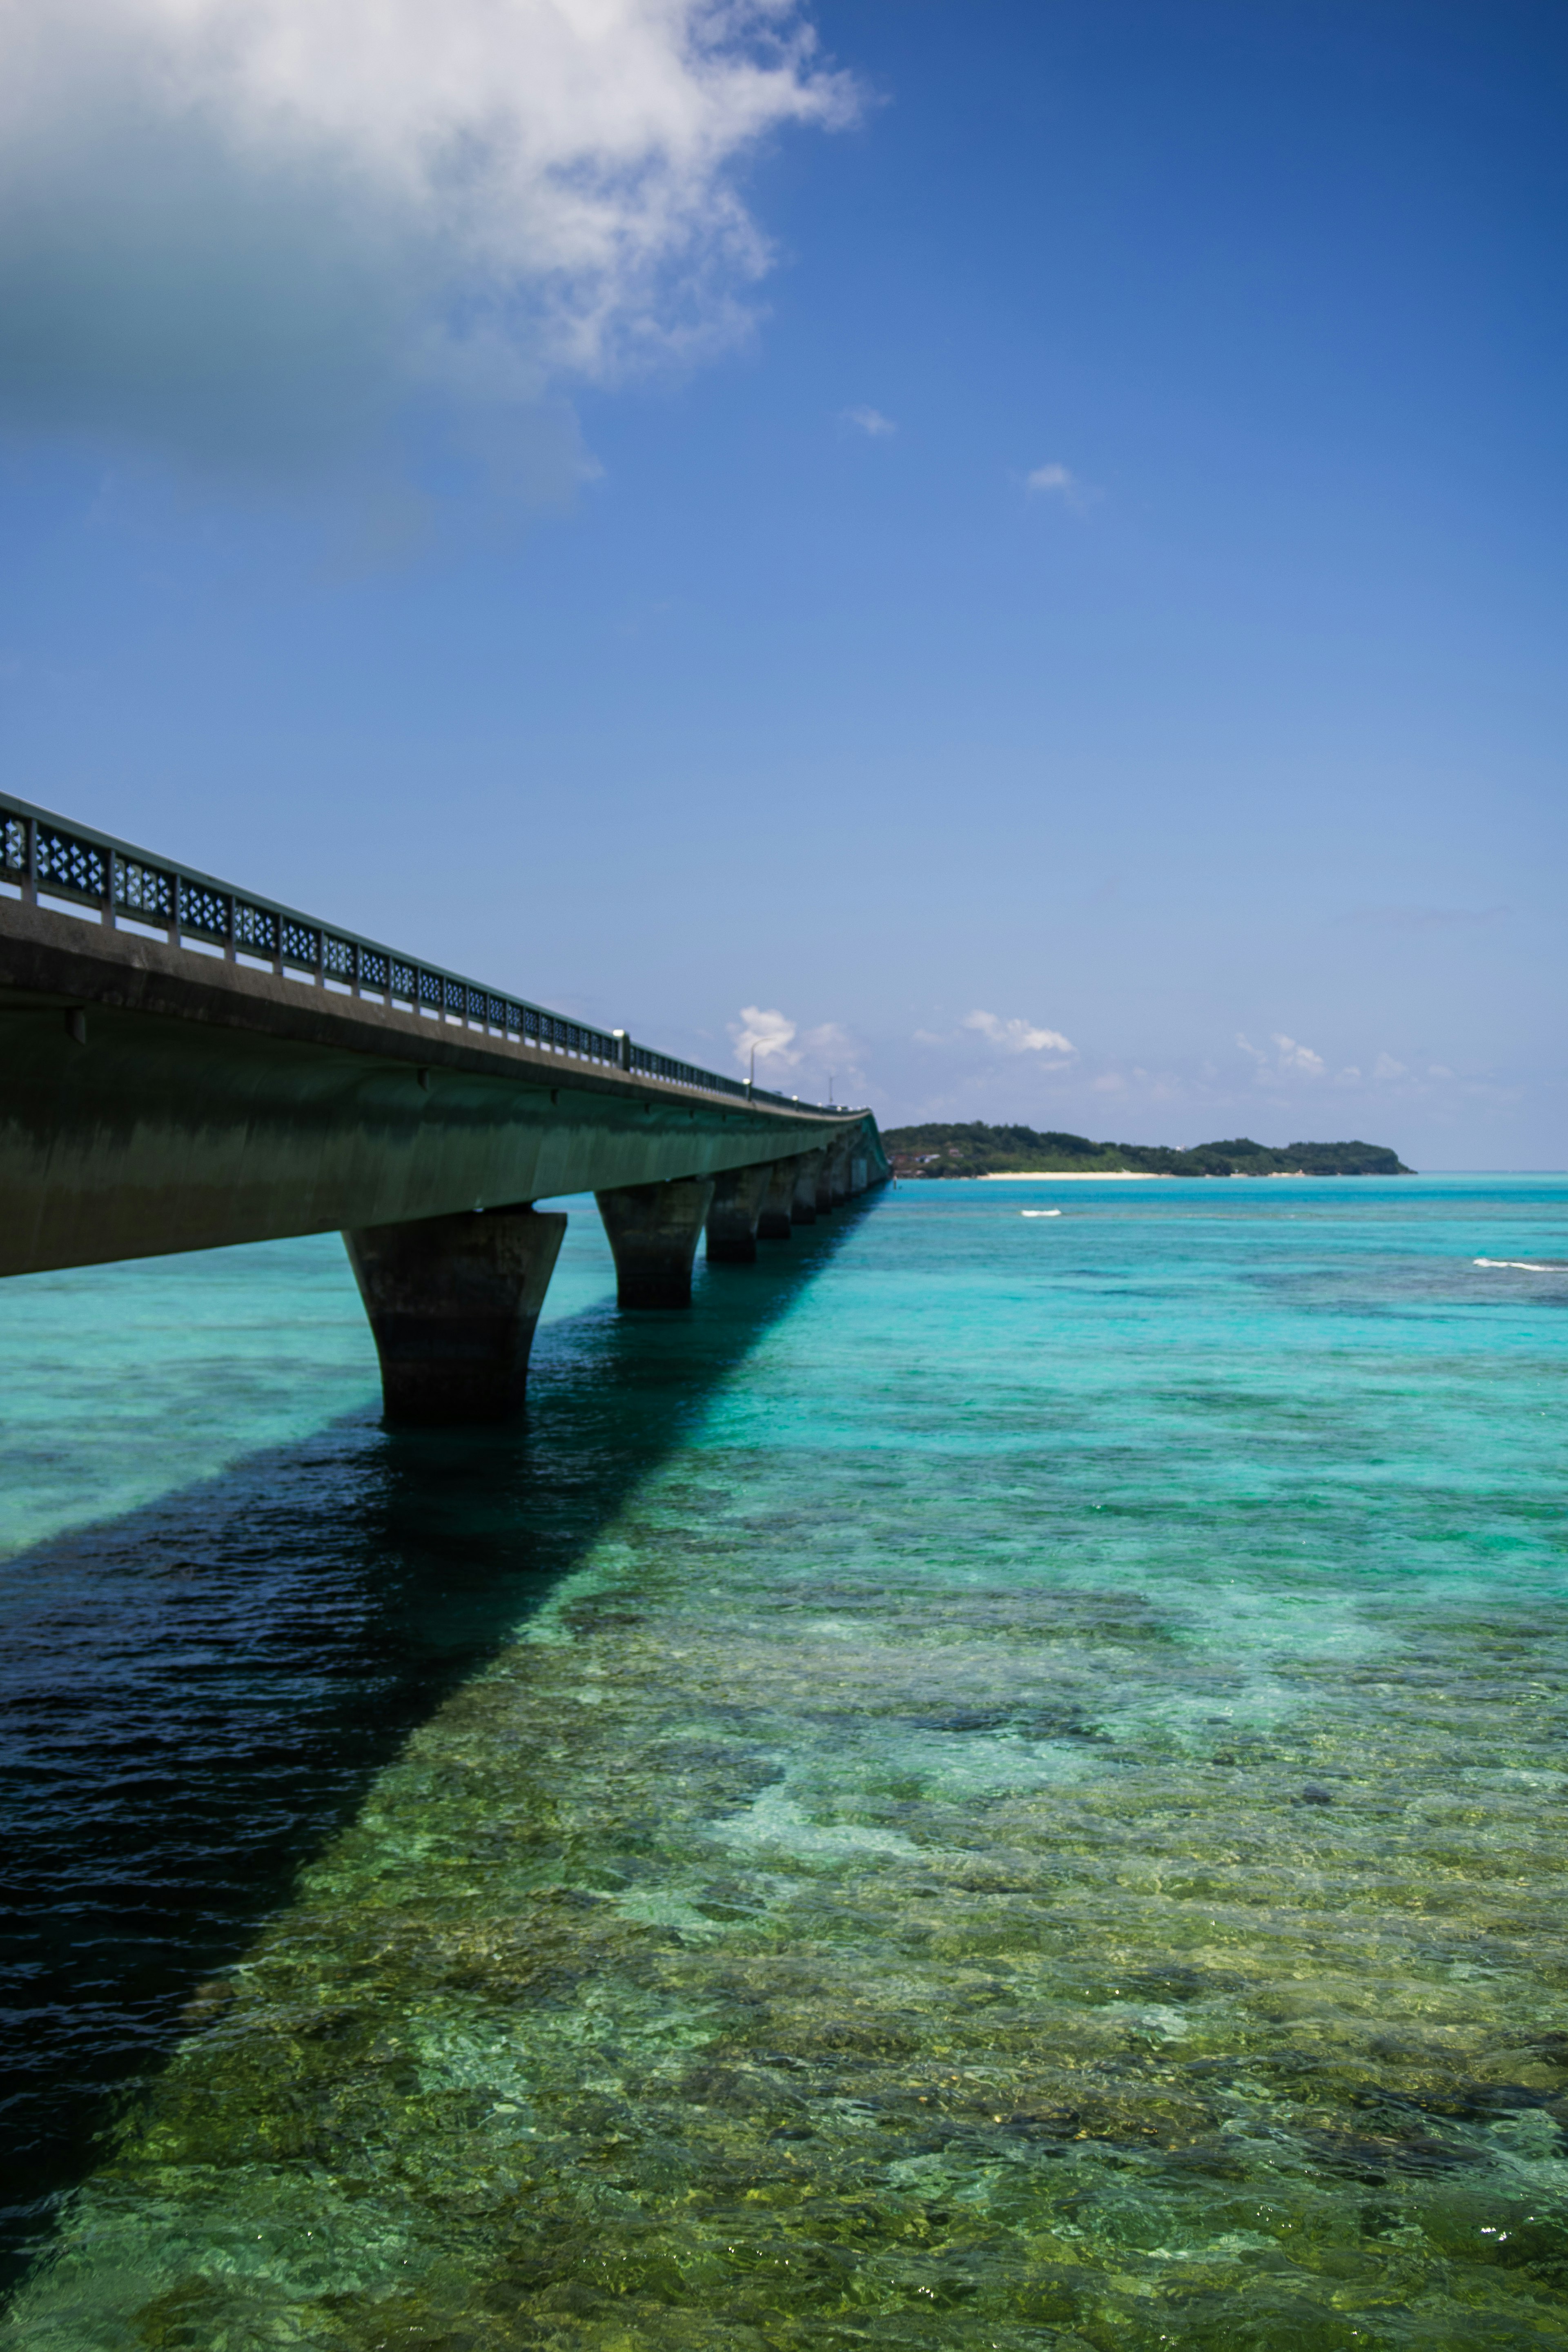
(1077,1176)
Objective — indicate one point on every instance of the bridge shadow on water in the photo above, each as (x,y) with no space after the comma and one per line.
(196,1696)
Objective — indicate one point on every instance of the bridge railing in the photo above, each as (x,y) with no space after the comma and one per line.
(49,857)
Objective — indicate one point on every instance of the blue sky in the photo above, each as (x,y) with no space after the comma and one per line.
(1015,555)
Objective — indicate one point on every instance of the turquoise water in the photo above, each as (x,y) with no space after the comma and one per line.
(1002,1786)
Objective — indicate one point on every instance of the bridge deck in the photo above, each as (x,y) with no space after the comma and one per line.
(156,1099)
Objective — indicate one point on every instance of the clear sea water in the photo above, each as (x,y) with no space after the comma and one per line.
(999,1784)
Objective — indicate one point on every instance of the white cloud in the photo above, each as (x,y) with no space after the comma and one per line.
(1111,1083)
(773,1035)
(1288,1056)
(828,1050)
(246,231)
(1058,481)
(1293,1056)
(1018,1036)
(871,420)
(1385,1067)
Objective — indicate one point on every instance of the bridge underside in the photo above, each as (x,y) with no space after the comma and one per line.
(150,1109)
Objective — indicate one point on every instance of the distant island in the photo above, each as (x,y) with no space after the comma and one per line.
(980,1150)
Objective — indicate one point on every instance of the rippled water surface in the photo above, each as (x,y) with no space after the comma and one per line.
(1000,1784)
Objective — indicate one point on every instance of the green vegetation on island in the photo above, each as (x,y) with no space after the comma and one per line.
(938,1150)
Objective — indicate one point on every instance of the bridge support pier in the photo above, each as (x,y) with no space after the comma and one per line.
(843,1188)
(653,1231)
(774,1223)
(803,1205)
(831,1188)
(453,1303)
(738,1197)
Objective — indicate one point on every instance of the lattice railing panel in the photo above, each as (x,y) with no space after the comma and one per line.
(300,943)
(145,892)
(203,912)
(65,862)
(255,929)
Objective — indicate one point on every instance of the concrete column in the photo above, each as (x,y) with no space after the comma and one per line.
(738,1197)
(774,1223)
(803,1207)
(653,1231)
(859,1171)
(830,1192)
(453,1302)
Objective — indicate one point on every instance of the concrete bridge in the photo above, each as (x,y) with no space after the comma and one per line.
(187,1066)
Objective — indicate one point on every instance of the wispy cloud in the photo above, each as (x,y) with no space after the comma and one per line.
(830,1040)
(871,420)
(247,232)
(1056,480)
(1288,1056)
(1290,1059)
(1424,918)
(1293,1056)
(830,1050)
(1018,1036)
